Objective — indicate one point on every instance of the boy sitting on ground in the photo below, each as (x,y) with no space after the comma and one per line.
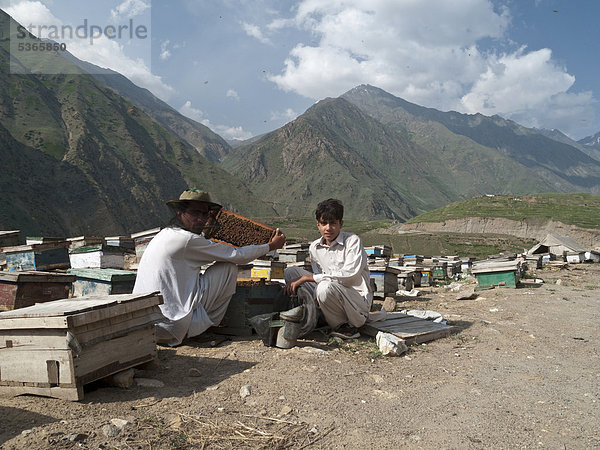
(340,282)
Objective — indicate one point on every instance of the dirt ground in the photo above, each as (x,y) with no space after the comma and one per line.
(523,371)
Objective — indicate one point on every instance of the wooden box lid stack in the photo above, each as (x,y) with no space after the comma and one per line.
(54,348)
(22,289)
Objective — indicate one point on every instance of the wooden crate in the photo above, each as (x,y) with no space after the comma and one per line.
(100,256)
(102,281)
(47,256)
(22,289)
(269,270)
(10,238)
(54,348)
(83,241)
(252,298)
(386,280)
(141,241)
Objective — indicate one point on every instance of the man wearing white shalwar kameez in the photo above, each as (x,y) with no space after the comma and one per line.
(171,264)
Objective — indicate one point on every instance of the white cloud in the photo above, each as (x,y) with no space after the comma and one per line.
(129,9)
(429,53)
(287,115)
(255,32)
(232,94)
(105,52)
(191,112)
(165,53)
(231,132)
(225,131)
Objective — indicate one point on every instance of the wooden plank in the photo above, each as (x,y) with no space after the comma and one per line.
(36,277)
(64,393)
(412,330)
(39,339)
(118,329)
(116,352)
(30,366)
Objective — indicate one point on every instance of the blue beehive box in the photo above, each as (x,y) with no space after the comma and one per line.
(102,281)
(47,256)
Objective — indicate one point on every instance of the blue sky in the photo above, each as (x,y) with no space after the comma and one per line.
(246,67)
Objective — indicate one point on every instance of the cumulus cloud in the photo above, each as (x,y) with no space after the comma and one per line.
(231,93)
(435,53)
(191,112)
(129,9)
(287,115)
(255,32)
(103,52)
(165,53)
(226,131)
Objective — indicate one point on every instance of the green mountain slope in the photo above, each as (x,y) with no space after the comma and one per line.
(334,149)
(510,152)
(582,210)
(209,144)
(100,164)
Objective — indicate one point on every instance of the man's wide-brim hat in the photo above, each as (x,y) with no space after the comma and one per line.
(194,195)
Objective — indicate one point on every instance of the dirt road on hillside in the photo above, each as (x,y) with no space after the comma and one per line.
(522,372)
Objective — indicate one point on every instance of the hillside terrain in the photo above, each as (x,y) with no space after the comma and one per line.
(81,159)
(530,217)
(510,156)
(103,155)
(209,144)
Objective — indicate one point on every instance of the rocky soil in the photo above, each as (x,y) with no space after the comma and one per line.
(522,371)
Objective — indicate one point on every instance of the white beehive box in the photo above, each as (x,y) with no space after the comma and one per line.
(54,348)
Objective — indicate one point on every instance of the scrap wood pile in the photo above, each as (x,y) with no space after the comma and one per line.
(244,431)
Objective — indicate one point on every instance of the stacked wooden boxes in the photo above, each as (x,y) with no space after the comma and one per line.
(22,289)
(102,281)
(141,241)
(100,256)
(492,273)
(54,348)
(8,239)
(83,241)
(267,269)
(252,298)
(382,251)
(45,256)
(385,278)
(294,253)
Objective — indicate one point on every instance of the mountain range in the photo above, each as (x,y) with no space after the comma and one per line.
(89,152)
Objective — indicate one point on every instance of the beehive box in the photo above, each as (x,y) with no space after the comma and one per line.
(386,280)
(22,289)
(236,230)
(120,241)
(252,298)
(55,348)
(47,256)
(10,238)
(141,241)
(102,281)
(100,256)
(269,270)
(83,241)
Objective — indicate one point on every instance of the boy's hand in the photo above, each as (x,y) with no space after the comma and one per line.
(292,286)
(277,240)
